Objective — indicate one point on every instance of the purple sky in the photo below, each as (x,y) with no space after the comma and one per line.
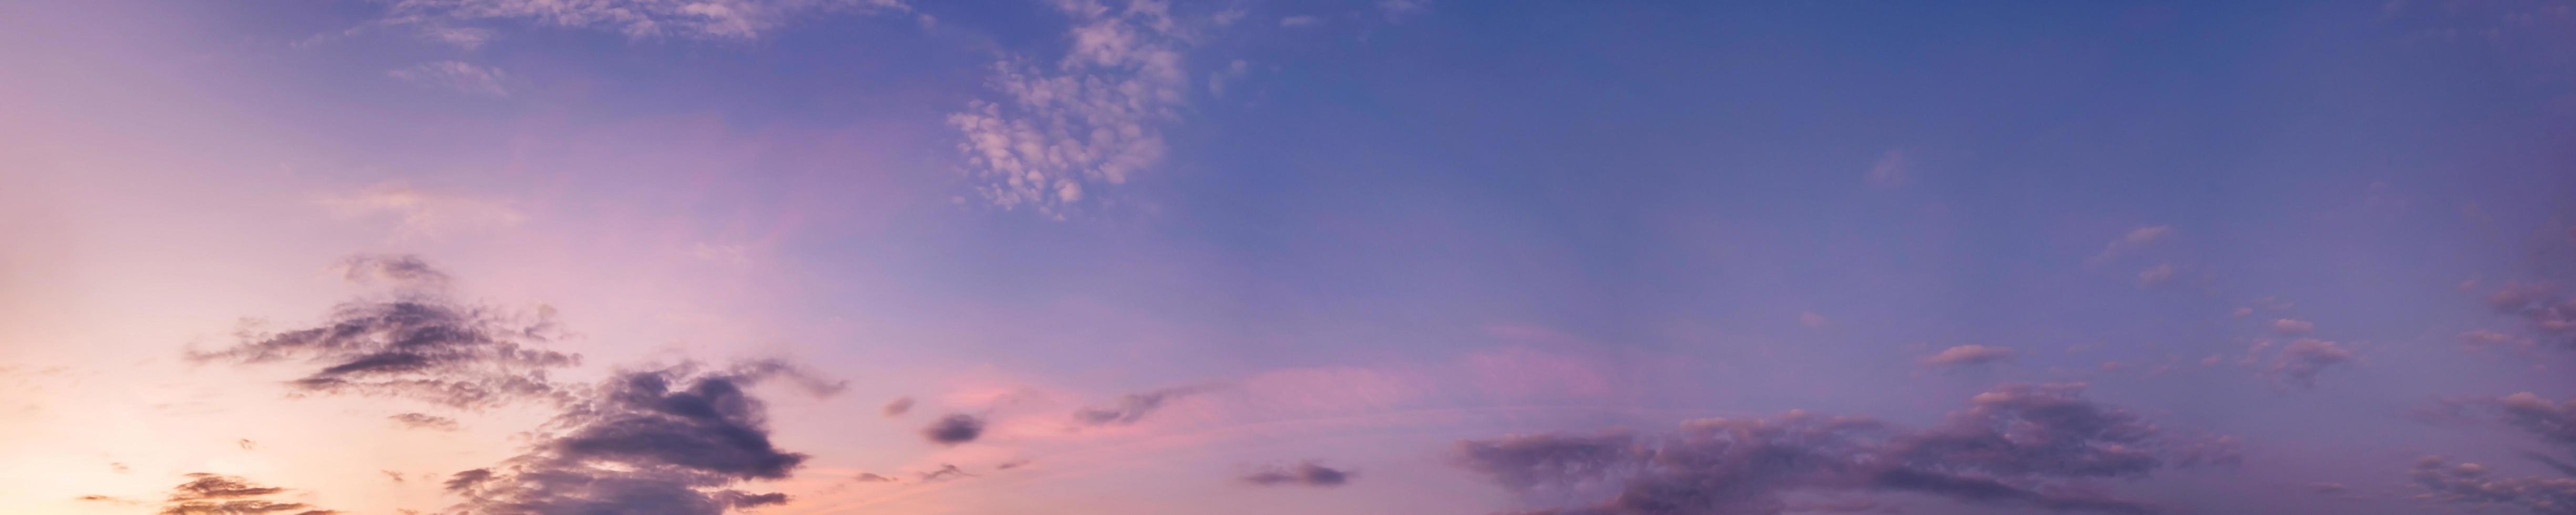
(1260,257)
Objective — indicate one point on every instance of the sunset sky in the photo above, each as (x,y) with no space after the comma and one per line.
(1266,257)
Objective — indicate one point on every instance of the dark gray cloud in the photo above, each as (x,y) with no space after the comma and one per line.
(1133,407)
(425,421)
(945,472)
(954,429)
(2019,445)
(672,441)
(213,494)
(416,344)
(898,407)
(1303,474)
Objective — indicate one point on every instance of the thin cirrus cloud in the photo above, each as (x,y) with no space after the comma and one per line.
(713,20)
(2018,445)
(1133,407)
(1964,355)
(456,76)
(216,494)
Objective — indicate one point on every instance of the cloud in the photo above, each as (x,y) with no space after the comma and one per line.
(2155,275)
(696,19)
(872,477)
(1813,320)
(667,441)
(402,270)
(212,494)
(2552,422)
(1890,171)
(1303,474)
(2293,327)
(1090,120)
(1400,9)
(424,421)
(2469,484)
(954,429)
(1299,21)
(1132,407)
(457,76)
(417,212)
(418,344)
(2304,358)
(2136,239)
(1964,355)
(2025,445)
(898,407)
(2548,315)
(1007,465)
(945,472)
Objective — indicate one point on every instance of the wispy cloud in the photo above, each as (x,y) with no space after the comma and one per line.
(457,76)
(1964,355)
(1302,474)
(691,19)
(417,212)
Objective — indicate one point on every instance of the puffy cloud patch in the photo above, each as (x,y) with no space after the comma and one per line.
(954,429)
(1089,120)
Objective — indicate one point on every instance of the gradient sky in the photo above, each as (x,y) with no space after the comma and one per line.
(1265,257)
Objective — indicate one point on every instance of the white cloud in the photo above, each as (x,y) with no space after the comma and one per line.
(1398,9)
(693,19)
(456,76)
(1091,119)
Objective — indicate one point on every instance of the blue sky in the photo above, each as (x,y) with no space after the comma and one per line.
(2289,252)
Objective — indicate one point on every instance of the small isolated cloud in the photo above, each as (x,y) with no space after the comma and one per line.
(1965,355)
(2327,488)
(398,269)
(944,473)
(2304,358)
(457,76)
(872,477)
(2293,327)
(954,429)
(897,407)
(1890,171)
(2155,275)
(1401,9)
(1132,407)
(1303,474)
(2035,446)
(119,467)
(416,212)
(213,494)
(107,499)
(246,444)
(393,475)
(1813,320)
(425,421)
(2136,239)
(1299,21)
(1007,465)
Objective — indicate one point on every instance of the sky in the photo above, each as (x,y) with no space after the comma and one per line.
(1270,257)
